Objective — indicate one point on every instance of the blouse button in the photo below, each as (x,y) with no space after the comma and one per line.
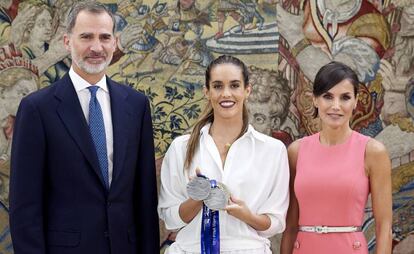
(356,245)
(297,245)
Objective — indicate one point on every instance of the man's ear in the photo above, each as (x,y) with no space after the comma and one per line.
(116,42)
(66,42)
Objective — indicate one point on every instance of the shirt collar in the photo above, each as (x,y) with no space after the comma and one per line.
(80,84)
(251,132)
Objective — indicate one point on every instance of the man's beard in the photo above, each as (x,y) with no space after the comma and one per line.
(91,68)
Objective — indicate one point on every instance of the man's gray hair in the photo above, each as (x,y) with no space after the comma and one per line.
(89,6)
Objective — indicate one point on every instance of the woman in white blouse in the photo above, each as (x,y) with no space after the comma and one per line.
(224,147)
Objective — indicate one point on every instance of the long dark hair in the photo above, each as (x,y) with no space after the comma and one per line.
(208,116)
(329,76)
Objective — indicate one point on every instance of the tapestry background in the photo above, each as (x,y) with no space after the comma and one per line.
(165,45)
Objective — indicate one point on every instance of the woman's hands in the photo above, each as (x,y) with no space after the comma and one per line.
(236,208)
(239,209)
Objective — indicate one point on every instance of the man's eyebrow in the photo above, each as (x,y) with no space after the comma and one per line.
(85,34)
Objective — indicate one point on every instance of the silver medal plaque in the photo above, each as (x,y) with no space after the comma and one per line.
(198,188)
(218,198)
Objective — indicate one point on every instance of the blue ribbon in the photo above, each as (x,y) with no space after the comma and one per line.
(210,229)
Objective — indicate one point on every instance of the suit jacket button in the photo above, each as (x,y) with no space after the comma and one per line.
(106,234)
(108,204)
(356,245)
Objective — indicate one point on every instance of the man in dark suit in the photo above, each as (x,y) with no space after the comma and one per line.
(82,167)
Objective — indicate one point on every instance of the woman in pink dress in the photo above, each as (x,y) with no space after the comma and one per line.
(332,174)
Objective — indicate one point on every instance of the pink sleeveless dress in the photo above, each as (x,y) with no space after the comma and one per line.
(332,189)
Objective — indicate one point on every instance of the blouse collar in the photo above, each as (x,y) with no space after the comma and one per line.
(251,132)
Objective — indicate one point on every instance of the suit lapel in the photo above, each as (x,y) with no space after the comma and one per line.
(120,119)
(71,114)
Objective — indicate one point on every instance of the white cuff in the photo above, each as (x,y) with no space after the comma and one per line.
(172,218)
(276,226)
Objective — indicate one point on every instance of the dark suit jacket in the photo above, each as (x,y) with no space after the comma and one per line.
(58,202)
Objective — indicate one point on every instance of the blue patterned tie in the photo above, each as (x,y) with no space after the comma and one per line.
(97,129)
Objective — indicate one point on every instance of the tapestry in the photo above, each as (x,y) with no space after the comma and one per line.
(164,47)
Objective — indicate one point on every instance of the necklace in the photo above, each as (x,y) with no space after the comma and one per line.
(223,153)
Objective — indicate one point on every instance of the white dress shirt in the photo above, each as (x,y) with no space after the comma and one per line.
(81,87)
(256,171)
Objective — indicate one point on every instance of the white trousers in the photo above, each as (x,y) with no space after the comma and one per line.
(175,249)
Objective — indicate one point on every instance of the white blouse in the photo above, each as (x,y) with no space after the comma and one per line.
(256,171)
